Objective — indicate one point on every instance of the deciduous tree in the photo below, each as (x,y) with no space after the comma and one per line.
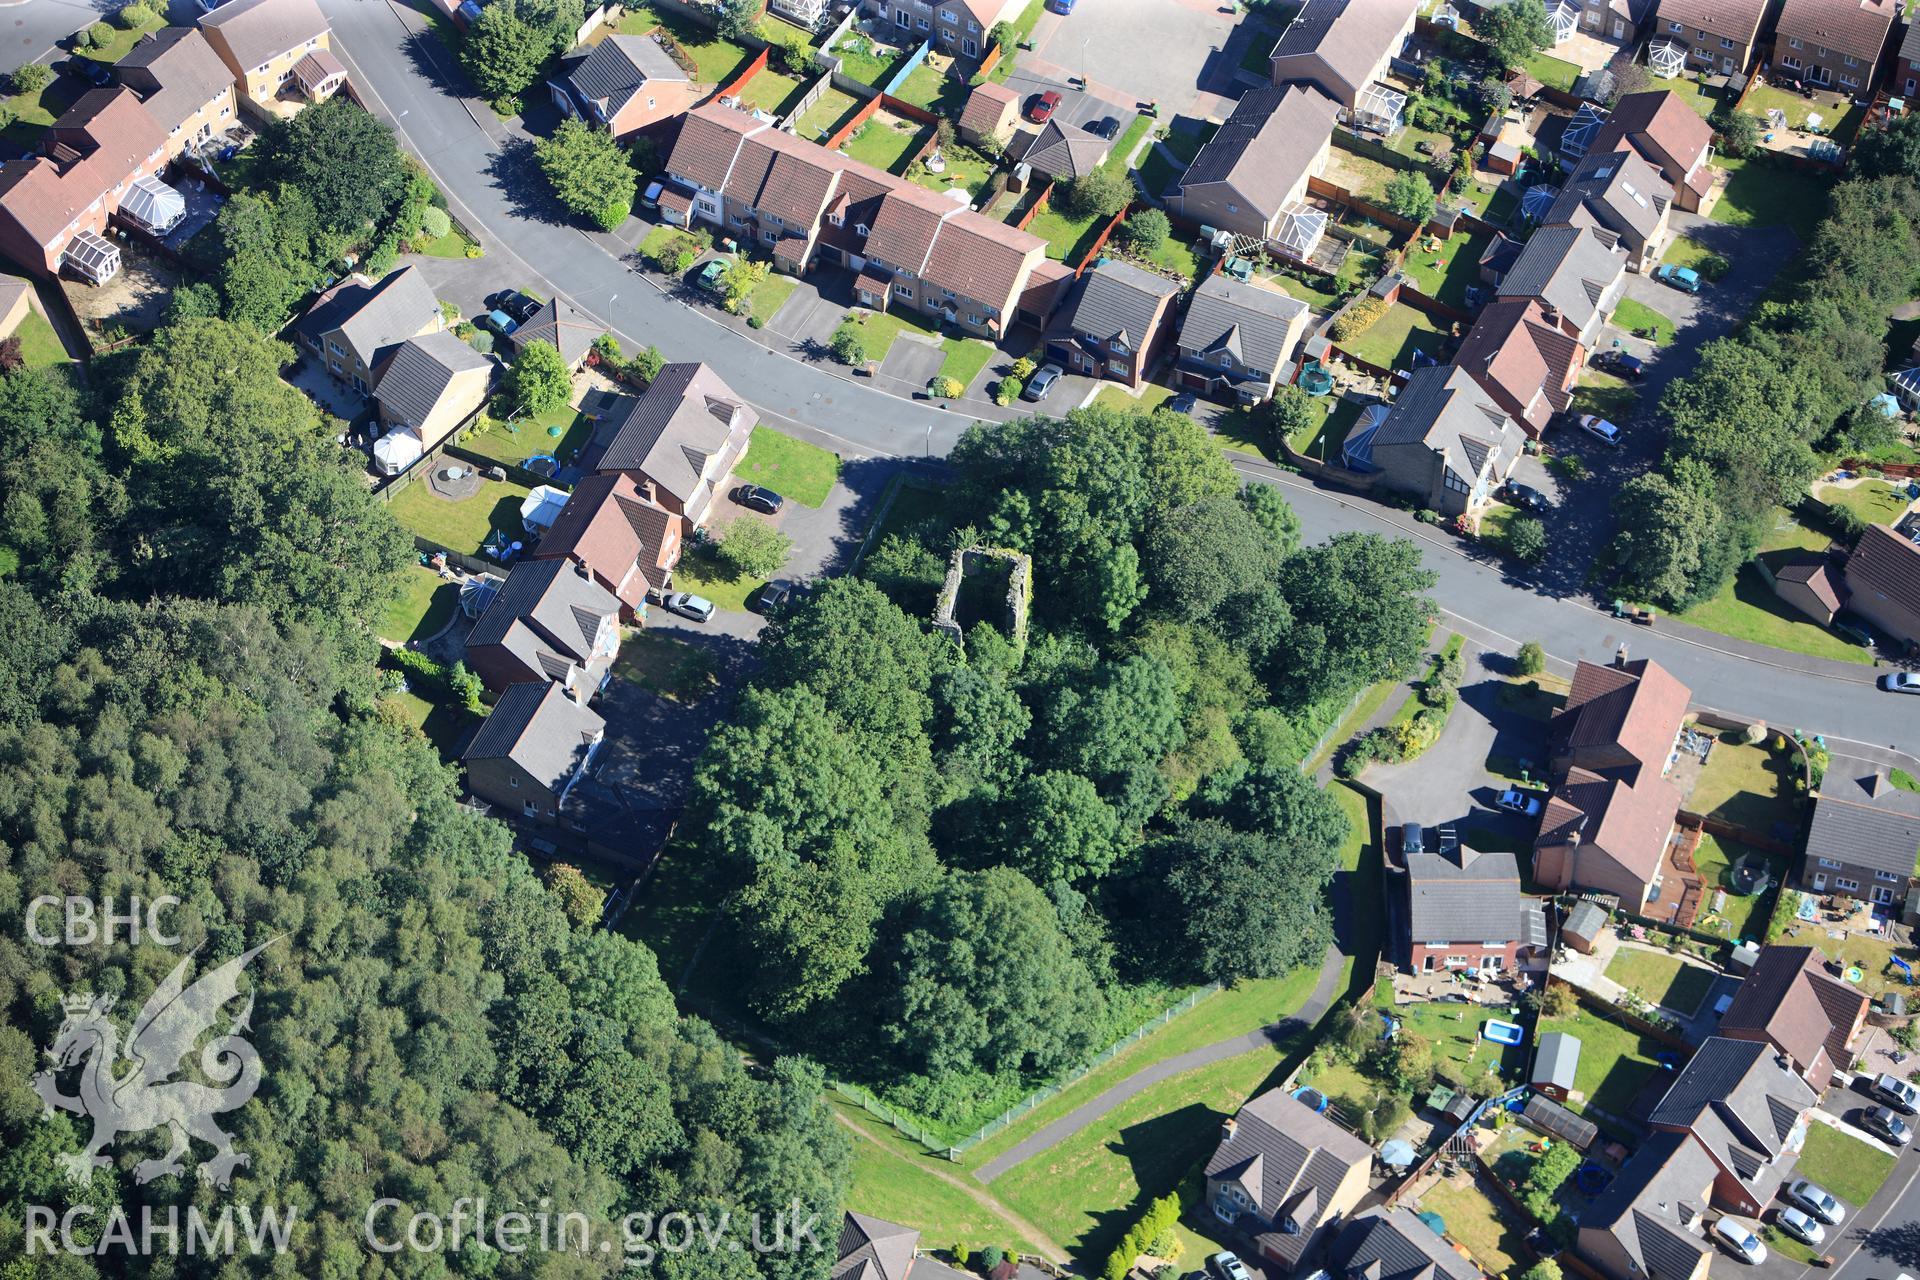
(589,173)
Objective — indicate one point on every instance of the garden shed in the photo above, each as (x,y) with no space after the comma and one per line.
(1583,926)
(1556,1064)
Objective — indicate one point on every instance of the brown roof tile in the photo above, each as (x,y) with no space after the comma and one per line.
(1737,18)
(1668,134)
(611,528)
(105,136)
(260,30)
(1886,565)
(1858,27)
(1788,1000)
(986,107)
(1639,706)
(1523,362)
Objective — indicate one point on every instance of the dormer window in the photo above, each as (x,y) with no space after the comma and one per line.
(861,227)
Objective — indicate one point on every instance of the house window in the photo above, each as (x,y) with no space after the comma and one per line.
(949,16)
(1850,886)
(1828,862)
(1882,896)
(836,220)
(1850,61)
(1852,82)
(1793,42)
(1226,358)
(514,783)
(902,18)
(921,23)
(946,293)
(769,236)
(972,25)
(1233,208)
(529,808)
(1790,62)
(861,228)
(1491,962)
(1726,42)
(973,318)
(971,46)
(1675,27)
(1887,875)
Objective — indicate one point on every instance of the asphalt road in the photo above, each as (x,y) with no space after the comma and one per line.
(408,77)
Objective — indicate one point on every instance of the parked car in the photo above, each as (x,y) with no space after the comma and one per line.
(688,605)
(1620,364)
(1228,1267)
(94,73)
(772,597)
(500,322)
(1412,838)
(1740,1238)
(755,498)
(1899,1094)
(1817,1200)
(1041,108)
(1104,127)
(1514,800)
(1901,682)
(1185,402)
(1600,429)
(1685,279)
(709,279)
(515,303)
(1524,496)
(1800,1226)
(1882,1123)
(650,198)
(1042,382)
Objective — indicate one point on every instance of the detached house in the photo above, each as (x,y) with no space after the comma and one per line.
(1445,441)
(183,84)
(430,385)
(1284,1176)
(678,441)
(624,84)
(1883,582)
(54,206)
(1342,46)
(1253,172)
(1576,276)
(1465,911)
(1523,363)
(1669,135)
(1392,1244)
(1609,819)
(621,540)
(549,621)
(1621,198)
(1712,36)
(272,46)
(1115,324)
(352,327)
(1789,1002)
(1864,838)
(1836,44)
(1651,1224)
(1748,1111)
(1236,339)
(531,750)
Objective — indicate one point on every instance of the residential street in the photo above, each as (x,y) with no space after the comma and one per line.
(404,74)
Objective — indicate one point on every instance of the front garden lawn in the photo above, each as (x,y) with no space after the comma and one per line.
(1600,392)
(460,526)
(886,141)
(1186,143)
(1392,340)
(965,357)
(1750,787)
(1123,146)
(454,244)
(1151,397)
(1843,1164)
(1685,251)
(1323,440)
(40,345)
(702,572)
(1643,321)
(34,113)
(1661,978)
(1448,270)
(674,669)
(121,42)
(767,297)
(1746,608)
(1156,172)
(1615,1062)
(426,603)
(789,466)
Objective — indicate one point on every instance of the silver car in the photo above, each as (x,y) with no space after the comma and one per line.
(1817,1200)
(1901,682)
(1740,1238)
(1600,429)
(1800,1226)
(688,605)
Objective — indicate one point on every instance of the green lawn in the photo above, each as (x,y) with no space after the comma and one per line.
(1022,30)
(1551,71)
(1839,118)
(819,121)
(1614,1061)
(1747,609)
(1068,239)
(34,113)
(1151,397)
(1643,321)
(1391,342)
(1843,1164)
(794,468)
(703,573)
(861,59)
(1745,917)
(932,87)
(1323,442)
(1311,294)
(454,244)
(770,295)
(965,356)
(1460,1053)
(771,91)
(656,239)
(464,525)
(1702,99)
(40,346)
(1760,194)
(122,41)
(891,1183)
(886,141)
(672,668)
(1685,251)
(514,442)
(1475,1223)
(1501,206)
(1751,787)
(1124,145)
(1661,979)
(447,728)
(965,168)
(1449,270)
(426,604)
(715,60)
(1186,143)
(1874,501)
(1175,254)
(1157,172)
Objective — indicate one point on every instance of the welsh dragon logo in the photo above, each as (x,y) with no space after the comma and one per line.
(133,1093)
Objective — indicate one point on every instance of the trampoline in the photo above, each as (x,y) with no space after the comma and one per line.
(1502,1032)
(1591,1179)
(1314,379)
(541,464)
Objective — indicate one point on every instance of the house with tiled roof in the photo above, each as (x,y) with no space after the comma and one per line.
(1526,365)
(352,327)
(561,326)
(1668,134)
(1651,1223)
(624,84)
(1284,1177)
(1392,1244)
(1622,199)
(1836,44)
(802,203)
(1747,1108)
(1610,816)
(1883,582)
(1864,837)
(1575,274)
(955,26)
(1790,1002)
(991,114)
(1341,46)
(272,47)
(678,440)
(622,541)
(54,206)
(1813,585)
(1237,339)
(548,621)
(1717,37)
(183,84)
(1255,167)
(1904,80)
(1464,910)
(431,385)
(1446,441)
(1064,152)
(872,1248)
(531,750)
(1115,324)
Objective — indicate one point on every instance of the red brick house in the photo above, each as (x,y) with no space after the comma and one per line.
(1526,364)
(1465,911)
(54,206)
(1747,1110)
(1116,324)
(1788,1000)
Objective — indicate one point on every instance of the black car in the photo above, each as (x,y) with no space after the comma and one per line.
(1620,364)
(1104,127)
(772,597)
(95,73)
(755,498)
(514,303)
(1523,496)
(1882,1123)
(1185,402)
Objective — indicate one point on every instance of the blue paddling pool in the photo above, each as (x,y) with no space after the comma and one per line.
(1502,1032)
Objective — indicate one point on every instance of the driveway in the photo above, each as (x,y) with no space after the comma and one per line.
(913,360)
(1166,51)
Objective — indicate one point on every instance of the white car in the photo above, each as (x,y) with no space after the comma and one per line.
(1514,800)
(1740,1238)
(688,605)
(1227,1266)
(1800,1226)
(1600,429)
(1901,682)
(1817,1200)
(1896,1093)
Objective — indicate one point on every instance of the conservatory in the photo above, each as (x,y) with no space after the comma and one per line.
(153,205)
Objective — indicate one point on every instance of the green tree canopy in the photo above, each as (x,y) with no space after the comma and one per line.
(538,380)
(503,52)
(1515,32)
(1359,614)
(345,161)
(1244,904)
(589,172)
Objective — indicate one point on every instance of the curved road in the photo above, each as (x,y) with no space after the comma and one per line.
(408,77)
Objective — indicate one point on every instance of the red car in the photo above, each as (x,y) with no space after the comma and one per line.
(1040,110)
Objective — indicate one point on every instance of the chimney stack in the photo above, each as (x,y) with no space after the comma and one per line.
(1227,1127)
(1620,657)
